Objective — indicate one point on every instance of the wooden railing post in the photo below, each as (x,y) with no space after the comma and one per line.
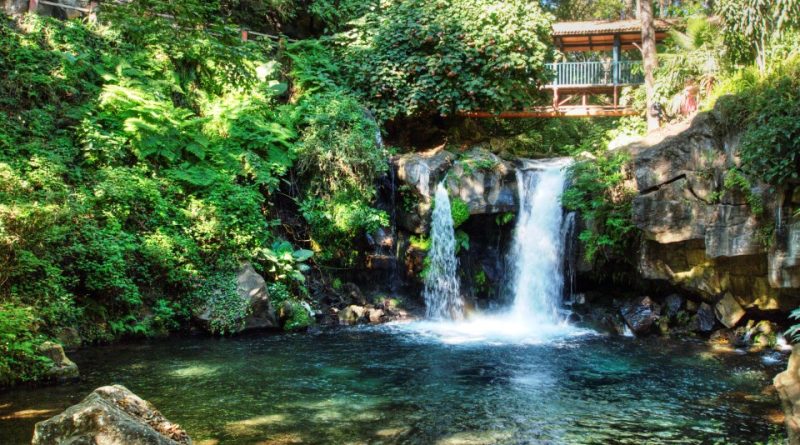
(244,35)
(33,5)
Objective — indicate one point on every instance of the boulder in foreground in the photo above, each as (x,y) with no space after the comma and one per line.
(110,415)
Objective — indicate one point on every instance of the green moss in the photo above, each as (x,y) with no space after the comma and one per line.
(459,211)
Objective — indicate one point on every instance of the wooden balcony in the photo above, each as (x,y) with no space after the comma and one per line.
(595,74)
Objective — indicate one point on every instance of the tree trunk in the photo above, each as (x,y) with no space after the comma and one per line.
(649,60)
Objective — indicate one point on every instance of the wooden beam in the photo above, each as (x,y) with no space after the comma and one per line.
(549,112)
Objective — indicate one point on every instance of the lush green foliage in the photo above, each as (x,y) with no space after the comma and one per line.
(138,162)
(340,157)
(459,211)
(18,342)
(599,193)
(417,57)
(767,110)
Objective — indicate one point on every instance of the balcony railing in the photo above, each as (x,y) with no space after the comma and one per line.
(624,72)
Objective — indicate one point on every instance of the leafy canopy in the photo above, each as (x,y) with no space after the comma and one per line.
(417,57)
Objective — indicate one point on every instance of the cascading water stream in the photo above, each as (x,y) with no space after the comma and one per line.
(536,257)
(442,290)
(535,262)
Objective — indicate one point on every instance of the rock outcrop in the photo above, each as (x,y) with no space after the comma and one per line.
(484,181)
(640,315)
(251,287)
(63,368)
(110,415)
(788,385)
(706,237)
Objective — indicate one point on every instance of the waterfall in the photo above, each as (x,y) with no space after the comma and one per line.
(570,255)
(442,291)
(536,257)
(535,264)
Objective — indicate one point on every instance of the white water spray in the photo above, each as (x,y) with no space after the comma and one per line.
(536,271)
(536,258)
(442,290)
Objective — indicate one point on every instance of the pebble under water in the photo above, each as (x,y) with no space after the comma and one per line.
(387,385)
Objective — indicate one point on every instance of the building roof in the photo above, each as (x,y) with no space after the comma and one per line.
(600,27)
(600,35)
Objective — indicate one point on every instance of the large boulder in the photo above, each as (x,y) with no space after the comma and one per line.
(484,181)
(110,415)
(640,314)
(788,385)
(252,288)
(728,311)
(63,368)
(417,175)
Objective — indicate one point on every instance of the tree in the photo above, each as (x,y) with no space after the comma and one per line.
(417,57)
(649,58)
(758,22)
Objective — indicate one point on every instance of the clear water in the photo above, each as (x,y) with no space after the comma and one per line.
(442,292)
(387,385)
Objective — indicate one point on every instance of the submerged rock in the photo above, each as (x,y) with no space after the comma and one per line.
(110,415)
(63,368)
(788,385)
(640,314)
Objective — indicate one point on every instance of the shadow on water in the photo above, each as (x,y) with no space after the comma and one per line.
(382,385)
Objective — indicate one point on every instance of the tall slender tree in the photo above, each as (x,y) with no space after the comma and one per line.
(649,58)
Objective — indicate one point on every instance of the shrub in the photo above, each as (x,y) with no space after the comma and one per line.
(226,310)
(459,210)
(340,157)
(415,57)
(19,360)
(769,107)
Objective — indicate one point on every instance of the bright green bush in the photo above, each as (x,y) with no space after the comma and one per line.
(459,210)
(19,360)
(415,57)
(598,192)
(300,318)
(340,159)
(766,109)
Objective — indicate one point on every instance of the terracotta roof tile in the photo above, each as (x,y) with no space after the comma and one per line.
(595,27)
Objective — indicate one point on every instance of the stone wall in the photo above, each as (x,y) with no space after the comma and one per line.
(704,237)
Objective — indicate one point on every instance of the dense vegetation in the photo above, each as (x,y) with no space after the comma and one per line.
(146,156)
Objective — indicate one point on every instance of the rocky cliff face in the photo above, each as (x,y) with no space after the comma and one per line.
(711,240)
(484,183)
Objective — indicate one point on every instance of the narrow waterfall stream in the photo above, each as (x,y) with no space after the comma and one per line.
(536,258)
(442,290)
